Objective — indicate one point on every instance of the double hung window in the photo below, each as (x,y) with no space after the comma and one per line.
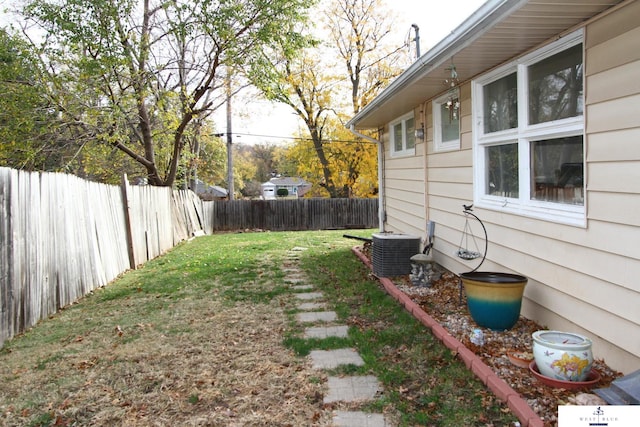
(402,135)
(529,128)
(446,122)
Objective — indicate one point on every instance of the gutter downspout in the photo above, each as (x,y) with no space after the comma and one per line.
(381,213)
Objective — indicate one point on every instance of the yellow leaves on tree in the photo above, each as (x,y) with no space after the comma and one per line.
(352,163)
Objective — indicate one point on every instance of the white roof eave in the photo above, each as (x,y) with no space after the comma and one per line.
(483,19)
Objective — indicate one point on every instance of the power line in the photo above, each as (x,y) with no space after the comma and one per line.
(297,138)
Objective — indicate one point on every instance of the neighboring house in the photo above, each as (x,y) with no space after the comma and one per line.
(296,187)
(210,192)
(539,128)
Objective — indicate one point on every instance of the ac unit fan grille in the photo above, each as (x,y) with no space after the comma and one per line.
(391,254)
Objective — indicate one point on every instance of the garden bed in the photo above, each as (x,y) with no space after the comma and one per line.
(446,304)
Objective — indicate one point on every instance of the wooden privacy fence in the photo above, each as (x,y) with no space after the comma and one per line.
(61,237)
(293,214)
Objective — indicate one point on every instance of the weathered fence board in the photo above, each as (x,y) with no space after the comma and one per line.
(292,214)
(61,236)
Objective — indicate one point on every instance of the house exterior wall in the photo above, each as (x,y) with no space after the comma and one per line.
(581,279)
(404,183)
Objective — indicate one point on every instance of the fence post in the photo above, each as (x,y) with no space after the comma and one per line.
(127,220)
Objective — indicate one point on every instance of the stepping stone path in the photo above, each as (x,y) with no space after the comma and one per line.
(311,305)
(309,295)
(302,287)
(356,418)
(341,389)
(331,359)
(326,332)
(352,389)
(317,316)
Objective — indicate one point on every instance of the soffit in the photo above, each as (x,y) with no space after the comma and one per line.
(530,25)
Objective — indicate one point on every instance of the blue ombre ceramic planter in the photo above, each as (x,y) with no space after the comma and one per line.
(494,299)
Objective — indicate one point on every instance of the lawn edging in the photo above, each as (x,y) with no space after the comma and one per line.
(497,385)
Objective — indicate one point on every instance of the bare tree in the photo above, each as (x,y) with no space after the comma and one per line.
(137,74)
(360,31)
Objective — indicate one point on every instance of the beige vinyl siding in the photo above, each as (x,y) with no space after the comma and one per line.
(450,185)
(626,146)
(616,208)
(459,175)
(574,283)
(625,76)
(615,114)
(614,177)
(580,279)
(613,125)
(404,186)
(586,279)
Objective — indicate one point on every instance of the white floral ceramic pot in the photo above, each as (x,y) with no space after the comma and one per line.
(562,355)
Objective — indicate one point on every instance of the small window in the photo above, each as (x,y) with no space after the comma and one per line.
(402,134)
(446,122)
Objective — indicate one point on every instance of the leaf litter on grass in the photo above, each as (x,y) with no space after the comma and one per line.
(194,339)
(193,360)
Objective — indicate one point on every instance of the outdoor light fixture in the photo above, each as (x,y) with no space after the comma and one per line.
(419,133)
(453,101)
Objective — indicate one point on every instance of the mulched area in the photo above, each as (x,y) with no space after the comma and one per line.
(444,302)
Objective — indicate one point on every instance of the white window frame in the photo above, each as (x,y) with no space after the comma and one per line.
(523,135)
(438,144)
(405,151)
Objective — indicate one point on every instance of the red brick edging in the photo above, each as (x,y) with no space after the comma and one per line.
(502,390)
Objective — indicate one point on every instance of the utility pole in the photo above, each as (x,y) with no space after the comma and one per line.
(229,138)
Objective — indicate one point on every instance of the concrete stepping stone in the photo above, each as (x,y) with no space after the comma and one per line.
(302,287)
(294,275)
(326,332)
(352,389)
(330,359)
(309,295)
(358,419)
(307,306)
(317,316)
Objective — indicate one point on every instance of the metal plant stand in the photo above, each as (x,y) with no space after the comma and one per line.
(464,251)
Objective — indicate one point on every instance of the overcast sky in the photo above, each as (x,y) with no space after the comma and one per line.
(436,19)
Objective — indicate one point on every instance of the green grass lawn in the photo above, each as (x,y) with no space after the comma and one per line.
(206,335)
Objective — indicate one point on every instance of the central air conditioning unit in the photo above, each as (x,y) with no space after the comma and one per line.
(392,253)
